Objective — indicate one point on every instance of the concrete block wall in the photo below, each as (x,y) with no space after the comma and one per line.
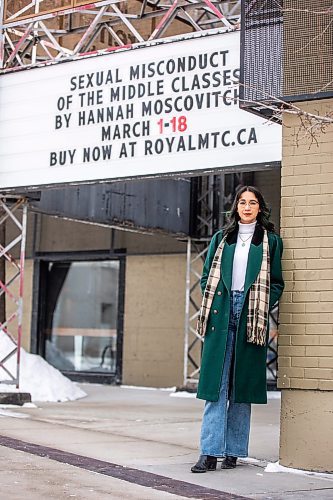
(61,235)
(306,313)
(154,320)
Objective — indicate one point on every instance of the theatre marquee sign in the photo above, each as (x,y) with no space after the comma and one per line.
(162,109)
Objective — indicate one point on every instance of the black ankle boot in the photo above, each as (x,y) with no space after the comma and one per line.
(229,462)
(204,464)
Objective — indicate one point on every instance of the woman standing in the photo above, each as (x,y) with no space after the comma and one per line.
(241,282)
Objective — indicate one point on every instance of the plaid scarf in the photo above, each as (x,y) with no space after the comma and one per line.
(257,318)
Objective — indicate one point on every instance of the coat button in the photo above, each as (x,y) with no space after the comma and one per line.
(213,328)
(215,311)
(219,292)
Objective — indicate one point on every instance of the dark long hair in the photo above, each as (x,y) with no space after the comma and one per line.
(262,217)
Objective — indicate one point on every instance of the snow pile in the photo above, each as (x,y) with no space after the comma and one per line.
(37,377)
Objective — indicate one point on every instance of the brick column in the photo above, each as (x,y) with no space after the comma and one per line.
(306,329)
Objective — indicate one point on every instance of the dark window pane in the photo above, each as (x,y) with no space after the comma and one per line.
(82,309)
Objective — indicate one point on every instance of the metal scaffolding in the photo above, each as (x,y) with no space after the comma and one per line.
(213,199)
(12,287)
(38,32)
(210,206)
(196,253)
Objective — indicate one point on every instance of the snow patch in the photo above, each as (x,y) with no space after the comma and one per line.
(142,388)
(273,395)
(276,467)
(250,460)
(183,394)
(37,377)
(8,413)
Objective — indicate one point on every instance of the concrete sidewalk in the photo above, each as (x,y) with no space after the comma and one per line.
(141,444)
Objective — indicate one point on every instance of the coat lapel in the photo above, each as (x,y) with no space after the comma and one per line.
(255,257)
(227,264)
(253,265)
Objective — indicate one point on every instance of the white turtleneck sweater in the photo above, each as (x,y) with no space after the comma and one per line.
(244,238)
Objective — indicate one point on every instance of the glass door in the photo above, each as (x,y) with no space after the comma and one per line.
(80,331)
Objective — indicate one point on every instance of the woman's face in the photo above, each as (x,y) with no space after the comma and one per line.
(248,207)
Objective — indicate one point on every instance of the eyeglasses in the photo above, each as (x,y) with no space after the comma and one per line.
(251,203)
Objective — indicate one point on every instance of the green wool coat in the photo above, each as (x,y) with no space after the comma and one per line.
(249,367)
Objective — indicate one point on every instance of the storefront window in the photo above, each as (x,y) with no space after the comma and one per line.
(82,316)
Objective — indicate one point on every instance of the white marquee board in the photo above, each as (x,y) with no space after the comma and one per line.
(159,109)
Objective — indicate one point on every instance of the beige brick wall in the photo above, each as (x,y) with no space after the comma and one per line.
(306,330)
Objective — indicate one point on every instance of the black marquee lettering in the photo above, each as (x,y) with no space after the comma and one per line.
(53,158)
(73,83)
(159,146)
(181,144)
(86,155)
(252,136)
(148,147)
(123,151)
(239,136)
(223,138)
(89,80)
(204,141)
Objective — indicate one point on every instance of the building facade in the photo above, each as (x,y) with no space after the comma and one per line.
(295,85)
(106,299)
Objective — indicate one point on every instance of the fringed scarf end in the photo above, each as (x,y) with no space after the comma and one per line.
(257,337)
(201,327)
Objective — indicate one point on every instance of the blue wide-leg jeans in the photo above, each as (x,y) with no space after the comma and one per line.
(226,425)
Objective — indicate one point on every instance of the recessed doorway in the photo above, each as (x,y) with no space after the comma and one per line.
(80,310)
